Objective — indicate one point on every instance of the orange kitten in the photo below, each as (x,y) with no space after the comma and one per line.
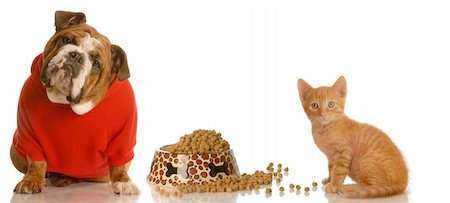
(359,150)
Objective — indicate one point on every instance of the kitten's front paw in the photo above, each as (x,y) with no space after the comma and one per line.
(124,188)
(29,186)
(325,181)
(330,188)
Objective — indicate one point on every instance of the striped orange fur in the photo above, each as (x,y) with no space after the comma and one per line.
(358,150)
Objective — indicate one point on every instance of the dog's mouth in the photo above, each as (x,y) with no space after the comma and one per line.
(61,73)
(67,75)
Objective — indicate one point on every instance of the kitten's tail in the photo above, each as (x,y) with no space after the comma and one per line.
(370,191)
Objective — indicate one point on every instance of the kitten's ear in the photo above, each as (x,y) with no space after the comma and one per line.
(303,89)
(341,86)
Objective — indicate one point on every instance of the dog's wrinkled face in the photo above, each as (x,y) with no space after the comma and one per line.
(80,63)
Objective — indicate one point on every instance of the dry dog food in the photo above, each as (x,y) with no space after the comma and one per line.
(291,186)
(246,182)
(314,184)
(209,141)
(199,142)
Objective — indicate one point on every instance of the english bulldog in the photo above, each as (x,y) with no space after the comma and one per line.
(77,113)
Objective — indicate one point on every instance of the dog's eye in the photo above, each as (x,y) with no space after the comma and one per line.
(96,64)
(66,40)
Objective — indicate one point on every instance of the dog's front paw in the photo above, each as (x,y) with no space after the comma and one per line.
(124,188)
(29,186)
(330,188)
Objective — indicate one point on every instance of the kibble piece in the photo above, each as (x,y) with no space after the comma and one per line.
(286,169)
(270,164)
(281,189)
(279,165)
(298,187)
(279,170)
(314,184)
(268,190)
(291,186)
(229,189)
(306,189)
(221,189)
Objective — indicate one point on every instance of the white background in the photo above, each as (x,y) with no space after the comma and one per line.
(233,66)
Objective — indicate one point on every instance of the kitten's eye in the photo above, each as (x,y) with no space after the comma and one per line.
(315,105)
(331,104)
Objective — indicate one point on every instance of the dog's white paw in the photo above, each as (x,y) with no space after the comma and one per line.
(124,188)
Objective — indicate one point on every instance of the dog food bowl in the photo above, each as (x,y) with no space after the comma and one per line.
(172,169)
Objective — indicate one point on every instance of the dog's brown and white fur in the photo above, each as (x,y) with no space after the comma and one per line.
(79,64)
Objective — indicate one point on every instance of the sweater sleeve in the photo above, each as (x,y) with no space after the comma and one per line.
(25,140)
(122,125)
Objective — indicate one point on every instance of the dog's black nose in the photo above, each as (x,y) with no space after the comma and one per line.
(76,57)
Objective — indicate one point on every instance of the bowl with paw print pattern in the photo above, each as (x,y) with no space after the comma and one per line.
(172,169)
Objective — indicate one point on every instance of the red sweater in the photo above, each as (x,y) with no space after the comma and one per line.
(78,146)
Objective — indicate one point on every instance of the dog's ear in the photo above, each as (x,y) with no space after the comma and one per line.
(119,63)
(64,19)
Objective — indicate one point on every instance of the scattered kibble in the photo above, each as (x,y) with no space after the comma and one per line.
(246,182)
(209,141)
